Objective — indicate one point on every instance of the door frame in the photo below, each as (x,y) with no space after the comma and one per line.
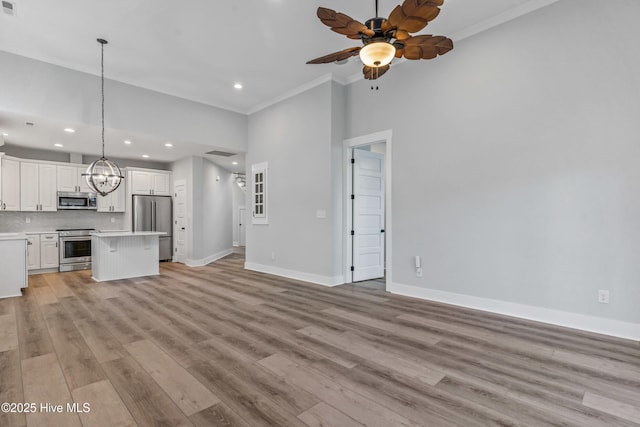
(384,136)
(176,183)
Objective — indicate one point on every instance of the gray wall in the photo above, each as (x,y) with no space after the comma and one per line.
(217,211)
(295,137)
(45,90)
(515,160)
(209,207)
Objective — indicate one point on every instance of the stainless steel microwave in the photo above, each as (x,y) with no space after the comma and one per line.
(77,201)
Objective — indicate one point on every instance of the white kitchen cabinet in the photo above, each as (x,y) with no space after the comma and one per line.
(38,187)
(33,251)
(70,178)
(157,183)
(13,264)
(113,202)
(10,186)
(49,255)
(42,251)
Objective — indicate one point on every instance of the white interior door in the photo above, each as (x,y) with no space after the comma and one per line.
(368,215)
(242,215)
(180,220)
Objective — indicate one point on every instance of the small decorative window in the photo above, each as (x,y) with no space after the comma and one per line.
(259,193)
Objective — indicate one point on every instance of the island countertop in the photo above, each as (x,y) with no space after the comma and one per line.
(13,236)
(127,233)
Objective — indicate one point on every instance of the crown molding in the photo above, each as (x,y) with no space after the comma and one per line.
(296,91)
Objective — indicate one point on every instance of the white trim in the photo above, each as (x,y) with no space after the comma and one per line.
(583,322)
(296,275)
(384,136)
(494,21)
(235,244)
(209,259)
(289,94)
(262,218)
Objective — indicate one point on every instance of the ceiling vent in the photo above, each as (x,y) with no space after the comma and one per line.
(221,153)
(9,8)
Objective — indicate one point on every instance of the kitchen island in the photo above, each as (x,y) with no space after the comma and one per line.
(124,254)
(13,264)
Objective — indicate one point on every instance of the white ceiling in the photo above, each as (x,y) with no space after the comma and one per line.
(197,49)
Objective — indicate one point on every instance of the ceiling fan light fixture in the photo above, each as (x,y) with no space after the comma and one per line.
(377,54)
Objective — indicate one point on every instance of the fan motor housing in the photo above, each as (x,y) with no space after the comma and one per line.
(375,24)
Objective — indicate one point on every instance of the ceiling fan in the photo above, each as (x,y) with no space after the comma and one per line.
(385,39)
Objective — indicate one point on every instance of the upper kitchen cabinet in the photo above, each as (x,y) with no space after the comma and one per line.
(38,187)
(10,185)
(157,183)
(114,201)
(70,179)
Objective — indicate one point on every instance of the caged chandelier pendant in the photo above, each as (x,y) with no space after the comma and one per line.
(103,176)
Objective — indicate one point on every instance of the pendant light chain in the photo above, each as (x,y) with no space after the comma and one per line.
(103,176)
(102,87)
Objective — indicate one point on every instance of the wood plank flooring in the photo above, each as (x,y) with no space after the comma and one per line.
(221,346)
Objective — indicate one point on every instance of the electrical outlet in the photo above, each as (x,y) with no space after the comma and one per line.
(113,220)
(273,256)
(418,272)
(27,220)
(603,297)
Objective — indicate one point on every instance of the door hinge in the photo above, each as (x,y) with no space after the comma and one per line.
(353,161)
(353,197)
(352,268)
(353,233)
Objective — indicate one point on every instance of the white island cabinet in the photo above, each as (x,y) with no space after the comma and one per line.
(124,254)
(13,264)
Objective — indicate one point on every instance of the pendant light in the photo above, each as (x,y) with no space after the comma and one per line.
(103,176)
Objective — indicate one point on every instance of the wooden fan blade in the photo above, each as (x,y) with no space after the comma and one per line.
(425,47)
(336,56)
(372,73)
(414,15)
(343,24)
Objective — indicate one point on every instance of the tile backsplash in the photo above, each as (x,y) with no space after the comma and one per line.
(50,221)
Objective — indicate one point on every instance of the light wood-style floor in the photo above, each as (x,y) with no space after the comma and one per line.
(218,345)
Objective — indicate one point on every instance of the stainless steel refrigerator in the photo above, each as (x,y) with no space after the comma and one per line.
(154,213)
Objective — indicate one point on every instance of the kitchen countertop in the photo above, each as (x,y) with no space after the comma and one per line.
(128,233)
(13,236)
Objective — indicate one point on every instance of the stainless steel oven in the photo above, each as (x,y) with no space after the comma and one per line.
(75,249)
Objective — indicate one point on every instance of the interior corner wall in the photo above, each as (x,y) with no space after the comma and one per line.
(295,137)
(40,89)
(515,162)
(209,208)
(215,236)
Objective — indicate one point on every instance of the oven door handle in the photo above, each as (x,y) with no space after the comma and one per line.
(75,238)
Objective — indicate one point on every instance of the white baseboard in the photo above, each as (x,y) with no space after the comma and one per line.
(209,259)
(583,322)
(296,275)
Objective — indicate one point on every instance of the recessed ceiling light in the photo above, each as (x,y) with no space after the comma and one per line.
(237,86)
(69,130)
(168,145)
(127,142)
(234,163)
(146,156)
(58,145)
